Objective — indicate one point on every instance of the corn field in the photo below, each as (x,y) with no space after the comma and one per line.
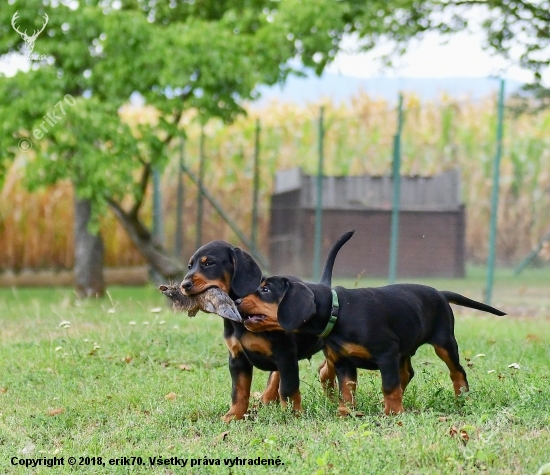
(358,140)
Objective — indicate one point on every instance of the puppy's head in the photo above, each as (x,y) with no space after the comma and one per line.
(280,303)
(219,264)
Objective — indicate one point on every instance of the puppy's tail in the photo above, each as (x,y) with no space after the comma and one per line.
(458,299)
(326,277)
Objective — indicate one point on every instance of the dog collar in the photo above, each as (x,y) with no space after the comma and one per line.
(333,315)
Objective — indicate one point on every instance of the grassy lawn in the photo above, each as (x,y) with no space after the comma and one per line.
(114,379)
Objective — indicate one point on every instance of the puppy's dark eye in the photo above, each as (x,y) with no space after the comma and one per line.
(208,264)
(189,266)
(264,290)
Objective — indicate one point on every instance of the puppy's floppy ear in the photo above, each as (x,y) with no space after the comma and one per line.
(247,275)
(296,307)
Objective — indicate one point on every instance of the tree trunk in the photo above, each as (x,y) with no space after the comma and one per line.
(88,255)
(155,255)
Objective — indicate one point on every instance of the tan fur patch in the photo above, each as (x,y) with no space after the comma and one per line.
(456,376)
(356,351)
(234,346)
(347,396)
(252,305)
(200,284)
(404,374)
(255,343)
(331,355)
(393,401)
(295,400)
(240,405)
(271,393)
(327,375)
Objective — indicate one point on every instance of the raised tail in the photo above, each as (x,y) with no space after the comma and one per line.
(326,277)
(458,299)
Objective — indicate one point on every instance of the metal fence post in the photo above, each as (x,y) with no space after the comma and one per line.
(256,186)
(178,239)
(319,206)
(494,199)
(396,175)
(200,201)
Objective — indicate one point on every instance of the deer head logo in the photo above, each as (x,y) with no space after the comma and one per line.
(29,39)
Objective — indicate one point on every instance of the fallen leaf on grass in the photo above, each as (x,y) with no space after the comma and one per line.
(55,412)
(222,436)
(3,390)
(514,366)
(156,310)
(171,397)
(185,367)
(442,419)
(127,359)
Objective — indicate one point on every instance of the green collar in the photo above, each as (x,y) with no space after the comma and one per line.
(333,315)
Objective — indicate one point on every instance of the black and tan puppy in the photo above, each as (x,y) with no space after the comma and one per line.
(371,328)
(219,264)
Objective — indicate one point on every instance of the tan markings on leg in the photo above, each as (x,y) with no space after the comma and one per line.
(456,376)
(327,375)
(271,393)
(256,343)
(404,374)
(393,401)
(240,406)
(347,396)
(295,401)
(356,351)
(252,305)
(234,346)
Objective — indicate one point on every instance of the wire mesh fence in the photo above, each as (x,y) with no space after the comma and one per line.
(358,140)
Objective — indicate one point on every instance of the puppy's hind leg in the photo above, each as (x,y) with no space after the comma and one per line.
(448,352)
(391,383)
(327,376)
(406,372)
(347,382)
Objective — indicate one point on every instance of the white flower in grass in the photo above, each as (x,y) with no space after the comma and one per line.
(156,310)
(65,324)
(514,366)
(131,323)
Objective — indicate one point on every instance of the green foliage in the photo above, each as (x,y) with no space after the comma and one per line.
(205,55)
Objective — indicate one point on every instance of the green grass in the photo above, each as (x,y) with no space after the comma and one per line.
(110,368)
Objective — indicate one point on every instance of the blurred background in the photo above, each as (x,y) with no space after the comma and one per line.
(133,132)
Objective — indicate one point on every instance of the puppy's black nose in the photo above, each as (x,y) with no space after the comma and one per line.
(238,301)
(187,284)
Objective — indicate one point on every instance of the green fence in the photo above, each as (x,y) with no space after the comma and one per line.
(503,159)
